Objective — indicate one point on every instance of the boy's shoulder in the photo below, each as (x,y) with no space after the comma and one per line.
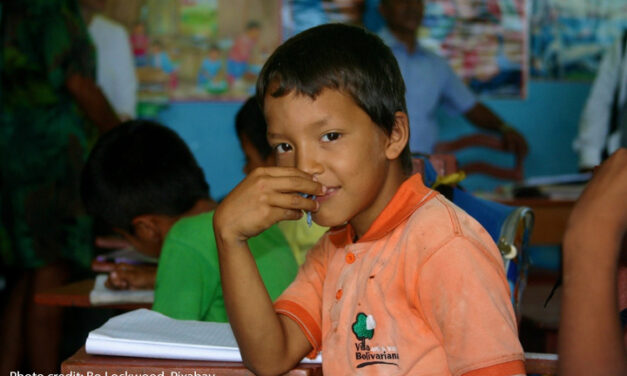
(192,226)
(196,232)
(189,244)
(193,233)
(436,223)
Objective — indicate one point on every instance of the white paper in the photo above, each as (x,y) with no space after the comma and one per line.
(102,295)
(145,333)
(557,179)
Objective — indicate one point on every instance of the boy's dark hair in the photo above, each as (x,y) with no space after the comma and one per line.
(251,123)
(140,167)
(339,57)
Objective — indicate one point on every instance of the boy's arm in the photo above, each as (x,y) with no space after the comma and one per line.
(590,336)
(269,343)
(482,117)
(92,101)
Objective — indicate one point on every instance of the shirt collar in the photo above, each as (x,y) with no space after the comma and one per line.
(410,196)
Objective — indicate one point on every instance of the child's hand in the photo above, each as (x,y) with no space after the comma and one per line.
(132,277)
(111,242)
(264,197)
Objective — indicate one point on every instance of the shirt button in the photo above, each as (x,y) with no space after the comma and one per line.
(350,258)
(338,294)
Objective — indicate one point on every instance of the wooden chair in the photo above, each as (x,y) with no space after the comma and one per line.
(488,141)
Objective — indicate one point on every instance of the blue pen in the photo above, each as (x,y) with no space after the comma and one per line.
(305,195)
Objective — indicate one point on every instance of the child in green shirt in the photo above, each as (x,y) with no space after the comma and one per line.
(143,181)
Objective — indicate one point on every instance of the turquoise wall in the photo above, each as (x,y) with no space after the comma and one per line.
(209,130)
(548,119)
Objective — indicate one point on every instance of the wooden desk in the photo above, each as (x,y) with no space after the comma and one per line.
(550,220)
(77,295)
(82,363)
(539,363)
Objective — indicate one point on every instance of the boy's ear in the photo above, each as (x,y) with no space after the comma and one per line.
(399,136)
(148,234)
(146,228)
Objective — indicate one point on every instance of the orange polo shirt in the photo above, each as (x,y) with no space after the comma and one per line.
(423,292)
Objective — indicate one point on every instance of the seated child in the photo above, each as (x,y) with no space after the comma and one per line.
(251,130)
(143,181)
(405,283)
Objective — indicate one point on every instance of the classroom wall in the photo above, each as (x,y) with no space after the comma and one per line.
(209,130)
(548,118)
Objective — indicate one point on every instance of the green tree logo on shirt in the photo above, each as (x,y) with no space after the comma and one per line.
(363,328)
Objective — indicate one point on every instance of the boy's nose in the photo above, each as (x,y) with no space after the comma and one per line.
(308,163)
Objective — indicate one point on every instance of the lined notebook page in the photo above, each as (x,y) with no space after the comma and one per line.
(145,333)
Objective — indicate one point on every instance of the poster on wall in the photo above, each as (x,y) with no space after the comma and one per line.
(299,15)
(200,49)
(484,41)
(569,37)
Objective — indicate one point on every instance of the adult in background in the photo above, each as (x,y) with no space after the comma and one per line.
(603,125)
(50,112)
(431,82)
(115,66)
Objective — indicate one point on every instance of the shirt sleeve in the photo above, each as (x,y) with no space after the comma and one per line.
(456,96)
(595,119)
(125,100)
(302,300)
(465,297)
(186,283)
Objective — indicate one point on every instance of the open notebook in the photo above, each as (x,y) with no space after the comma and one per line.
(149,334)
(100,294)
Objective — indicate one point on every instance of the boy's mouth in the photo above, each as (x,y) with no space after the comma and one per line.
(330,192)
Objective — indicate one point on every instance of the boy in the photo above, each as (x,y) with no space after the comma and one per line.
(143,181)
(251,129)
(405,282)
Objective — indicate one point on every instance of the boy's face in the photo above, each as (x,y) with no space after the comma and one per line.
(336,142)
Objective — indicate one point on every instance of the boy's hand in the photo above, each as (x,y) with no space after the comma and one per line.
(266,196)
(132,277)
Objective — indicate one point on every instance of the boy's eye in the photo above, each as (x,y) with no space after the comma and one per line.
(331,136)
(282,148)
